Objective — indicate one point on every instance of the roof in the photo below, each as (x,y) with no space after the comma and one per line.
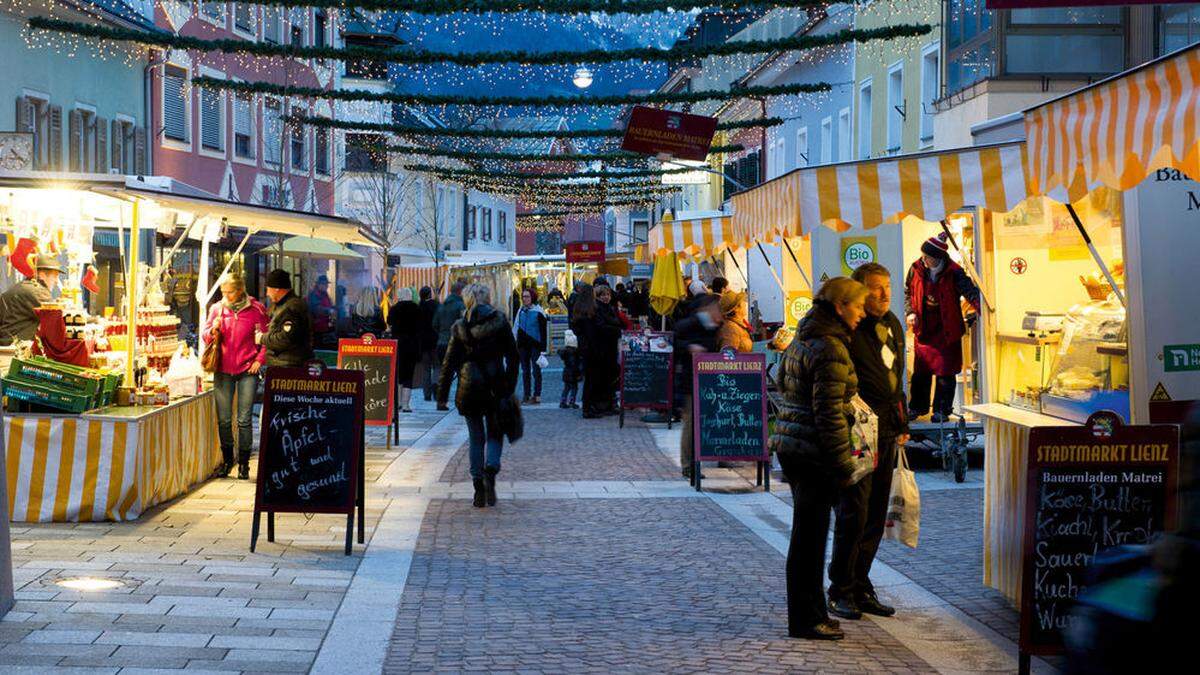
(124,13)
(526,123)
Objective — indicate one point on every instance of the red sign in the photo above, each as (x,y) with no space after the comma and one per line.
(665,132)
(585,252)
(377,359)
(1018,265)
(1024,4)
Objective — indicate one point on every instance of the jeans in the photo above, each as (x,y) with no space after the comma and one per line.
(479,438)
(687,456)
(861,515)
(943,397)
(570,392)
(430,369)
(529,358)
(224,387)
(813,497)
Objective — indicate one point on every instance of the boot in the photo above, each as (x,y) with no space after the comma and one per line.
(480,493)
(489,482)
(223,469)
(244,465)
(405,398)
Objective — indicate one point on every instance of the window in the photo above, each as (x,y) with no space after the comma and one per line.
(362,153)
(296,31)
(968,44)
(779,157)
(321,150)
(272,24)
(827,140)
(864,120)
(641,231)
(896,110)
(123,144)
(273,131)
(299,156)
(320,28)
(845,133)
(212,120)
(175,104)
(802,148)
(243,17)
(81,130)
(243,126)
(1178,27)
(1066,40)
(503,237)
(930,69)
(471,214)
(275,195)
(486,216)
(214,11)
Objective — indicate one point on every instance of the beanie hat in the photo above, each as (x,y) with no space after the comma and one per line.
(936,247)
(279,279)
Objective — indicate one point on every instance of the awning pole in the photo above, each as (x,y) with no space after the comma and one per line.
(745,279)
(799,267)
(131,294)
(1096,255)
(968,268)
(232,258)
(771,267)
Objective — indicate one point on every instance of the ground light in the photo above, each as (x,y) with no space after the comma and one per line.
(89,583)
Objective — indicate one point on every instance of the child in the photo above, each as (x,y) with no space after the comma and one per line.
(572,370)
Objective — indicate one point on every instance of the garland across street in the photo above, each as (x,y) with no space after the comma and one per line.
(408,130)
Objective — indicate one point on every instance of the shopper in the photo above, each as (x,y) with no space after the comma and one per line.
(877,351)
(18,318)
(933,311)
(603,364)
(719,285)
(235,320)
(445,318)
(694,334)
(367,316)
(572,370)
(323,313)
(812,440)
(289,336)
(483,353)
(404,321)
(735,328)
(429,364)
(532,334)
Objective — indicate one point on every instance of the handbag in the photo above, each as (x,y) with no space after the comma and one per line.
(210,360)
(510,418)
(903,523)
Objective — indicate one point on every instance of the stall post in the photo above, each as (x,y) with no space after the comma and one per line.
(799,268)
(1087,239)
(770,266)
(131,293)
(969,269)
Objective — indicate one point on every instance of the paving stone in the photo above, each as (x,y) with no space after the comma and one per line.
(64,637)
(164,639)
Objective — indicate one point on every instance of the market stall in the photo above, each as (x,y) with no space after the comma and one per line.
(106,415)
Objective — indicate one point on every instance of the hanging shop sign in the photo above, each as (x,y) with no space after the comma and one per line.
(585,252)
(311,449)
(856,252)
(729,410)
(1091,487)
(653,131)
(377,360)
(647,371)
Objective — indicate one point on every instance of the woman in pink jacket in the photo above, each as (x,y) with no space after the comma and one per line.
(236,319)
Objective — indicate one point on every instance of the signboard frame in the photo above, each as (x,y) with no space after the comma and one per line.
(369,340)
(653,131)
(584,251)
(356,459)
(669,404)
(1044,4)
(1106,428)
(735,364)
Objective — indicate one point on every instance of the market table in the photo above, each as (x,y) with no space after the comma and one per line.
(1006,458)
(112,464)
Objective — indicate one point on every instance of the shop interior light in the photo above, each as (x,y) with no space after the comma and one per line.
(90,583)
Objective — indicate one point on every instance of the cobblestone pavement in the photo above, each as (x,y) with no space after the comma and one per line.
(561,446)
(617,585)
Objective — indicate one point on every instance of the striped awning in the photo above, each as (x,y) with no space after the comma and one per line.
(695,237)
(418,276)
(928,186)
(1119,130)
(768,210)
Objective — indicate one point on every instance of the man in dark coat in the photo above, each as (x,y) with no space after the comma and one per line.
(931,305)
(877,351)
(448,314)
(429,340)
(18,318)
(289,337)
(694,334)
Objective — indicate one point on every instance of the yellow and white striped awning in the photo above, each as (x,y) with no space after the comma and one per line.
(1119,130)
(928,186)
(694,237)
(768,210)
(420,276)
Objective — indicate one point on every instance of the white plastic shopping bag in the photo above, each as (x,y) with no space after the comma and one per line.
(903,522)
(864,440)
(542,361)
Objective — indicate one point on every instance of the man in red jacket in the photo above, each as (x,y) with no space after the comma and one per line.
(932,290)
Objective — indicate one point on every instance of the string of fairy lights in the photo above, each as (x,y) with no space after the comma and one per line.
(569,164)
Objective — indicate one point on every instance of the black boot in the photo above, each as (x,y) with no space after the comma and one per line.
(243,466)
(489,482)
(223,469)
(480,494)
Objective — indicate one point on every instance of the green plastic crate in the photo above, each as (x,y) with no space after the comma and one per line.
(55,374)
(46,395)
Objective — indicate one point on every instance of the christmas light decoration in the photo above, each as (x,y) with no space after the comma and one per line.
(410,130)
(440,7)
(534,157)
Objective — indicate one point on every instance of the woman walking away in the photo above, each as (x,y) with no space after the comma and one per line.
(235,320)
(734,332)
(531,342)
(812,441)
(429,337)
(483,354)
(404,318)
(603,368)
(367,317)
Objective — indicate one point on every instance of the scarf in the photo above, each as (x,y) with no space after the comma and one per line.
(239,305)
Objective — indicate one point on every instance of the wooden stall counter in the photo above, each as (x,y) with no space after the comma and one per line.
(111,464)
(1006,458)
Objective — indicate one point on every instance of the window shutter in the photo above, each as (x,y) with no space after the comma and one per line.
(139,151)
(75,140)
(118,146)
(101,145)
(54,146)
(24,114)
(242,116)
(210,119)
(174,104)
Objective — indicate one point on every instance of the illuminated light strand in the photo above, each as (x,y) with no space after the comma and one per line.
(443,7)
(540,176)
(408,130)
(621,156)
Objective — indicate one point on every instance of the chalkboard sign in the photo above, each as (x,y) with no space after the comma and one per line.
(647,364)
(729,409)
(311,445)
(377,359)
(1090,487)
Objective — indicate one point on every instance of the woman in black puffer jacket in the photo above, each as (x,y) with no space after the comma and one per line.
(483,354)
(812,441)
